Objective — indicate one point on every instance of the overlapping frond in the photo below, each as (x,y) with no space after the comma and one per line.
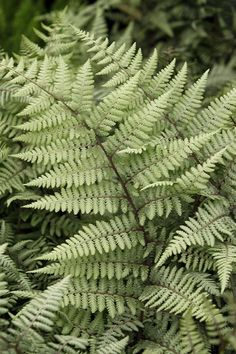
(41,311)
(122,232)
(212,223)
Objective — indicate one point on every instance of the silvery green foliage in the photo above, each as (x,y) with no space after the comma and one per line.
(136,175)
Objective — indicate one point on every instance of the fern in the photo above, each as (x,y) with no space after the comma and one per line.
(124,181)
(193,340)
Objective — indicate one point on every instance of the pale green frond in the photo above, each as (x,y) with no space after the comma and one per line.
(24,195)
(137,128)
(176,85)
(41,311)
(130,185)
(112,108)
(82,89)
(220,140)
(89,171)
(37,104)
(218,115)
(98,199)
(113,63)
(196,259)
(216,323)
(190,102)
(158,84)
(52,117)
(225,256)
(116,347)
(119,263)
(48,136)
(4,293)
(197,177)
(113,296)
(149,69)
(24,294)
(212,223)
(45,72)
(176,293)
(124,74)
(162,160)
(12,175)
(68,344)
(99,26)
(102,237)
(12,272)
(58,151)
(30,48)
(205,282)
(106,54)
(29,88)
(161,202)
(62,80)
(192,338)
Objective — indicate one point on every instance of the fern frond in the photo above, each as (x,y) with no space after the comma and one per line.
(218,115)
(106,197)
(68,344)
(119,264)
(162,335)
(30,48)
(176,85)
(116,329)
(163,160)
(12,175)
(102,237)
(82,89)
(111,110)
(149,69)
(62,80)
(135,131)
(114,296)
(123,75)
(190,102)
(161,201)
(212,223)
(13,274)
(193,340)
(4,301)
(115,347)
(54,116)
(216,325)
(176,293)
(158,84)
(224,256)
(90,171)
(55,152)
(41,311)
(122,170)
(196,259)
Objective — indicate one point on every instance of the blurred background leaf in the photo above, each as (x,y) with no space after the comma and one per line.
(202,32)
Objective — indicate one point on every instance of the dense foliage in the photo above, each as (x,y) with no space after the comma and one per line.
(117,202)
(199,31)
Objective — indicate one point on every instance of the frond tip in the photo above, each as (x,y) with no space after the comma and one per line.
(41,311)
